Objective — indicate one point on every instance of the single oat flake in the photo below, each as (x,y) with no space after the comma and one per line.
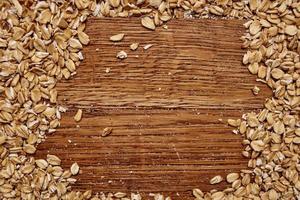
(134,46)
(74,169)
(121,55)
(106,131)
(255,90)
(117,38)
(148,46)
(148,23)
(78,115)
(216,180)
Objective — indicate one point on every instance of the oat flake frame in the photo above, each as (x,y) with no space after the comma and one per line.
(41,43)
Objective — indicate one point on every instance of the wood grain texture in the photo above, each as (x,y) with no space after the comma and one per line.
(164,105)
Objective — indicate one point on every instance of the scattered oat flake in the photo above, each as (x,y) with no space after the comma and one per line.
(148,46)
(198,193)
(147,22)
(117,38)
(106,131)
(121,55)
(255,90)
(74,168)
(216,180)
(78,115)
(230,178)
(134,46)
(233,122)
(53,160)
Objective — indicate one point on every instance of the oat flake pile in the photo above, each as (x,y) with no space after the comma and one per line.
(41,43)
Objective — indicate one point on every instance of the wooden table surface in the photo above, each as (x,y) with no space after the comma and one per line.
(164,105)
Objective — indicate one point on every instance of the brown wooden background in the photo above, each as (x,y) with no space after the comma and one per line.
(164,107)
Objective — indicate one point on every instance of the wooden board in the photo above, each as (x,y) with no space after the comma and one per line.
(164,105)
